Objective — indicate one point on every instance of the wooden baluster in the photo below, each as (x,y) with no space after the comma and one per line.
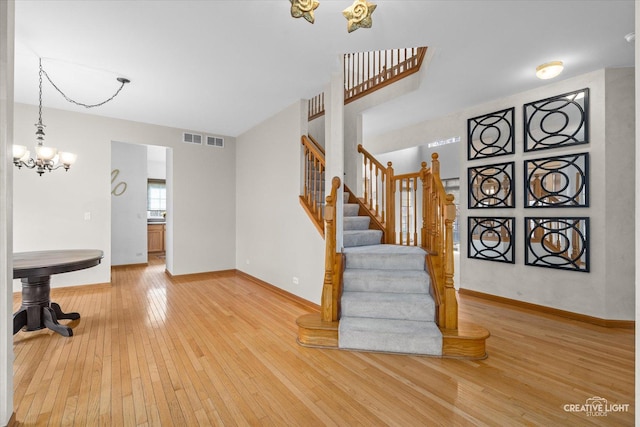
(424,176)
(435,232)
(305,190)
(391,205)
(407,236)
(310,181)
(415,211)
(383,195)
(377,191)
(370,184)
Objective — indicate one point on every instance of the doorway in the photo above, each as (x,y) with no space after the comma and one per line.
(140,203)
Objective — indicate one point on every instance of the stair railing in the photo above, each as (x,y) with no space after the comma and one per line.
(331,287)
(438,216)
(313,181)
(397,202)
(365,72)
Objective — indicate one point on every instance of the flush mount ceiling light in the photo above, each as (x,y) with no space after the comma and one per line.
(549,70)
(48,158)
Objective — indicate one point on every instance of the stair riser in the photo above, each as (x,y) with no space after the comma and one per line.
(397,336)
(356,222)
(392,343)
(352,238)
(386,261)
(351,209)
(418,308)
(385,281)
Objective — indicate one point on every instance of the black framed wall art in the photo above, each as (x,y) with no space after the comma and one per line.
(561,243)
(491,186)
(560,181)
(491,239)
(559,121)
(490,135)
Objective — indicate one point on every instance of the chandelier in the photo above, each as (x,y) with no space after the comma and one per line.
(49,158)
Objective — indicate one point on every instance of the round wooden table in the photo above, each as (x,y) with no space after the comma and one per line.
(35,270)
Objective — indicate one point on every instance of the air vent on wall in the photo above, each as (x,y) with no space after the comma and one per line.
(215,141)
(192,138)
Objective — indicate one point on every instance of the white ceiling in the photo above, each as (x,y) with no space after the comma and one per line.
(223,66)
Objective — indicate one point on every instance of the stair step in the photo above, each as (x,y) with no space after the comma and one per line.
(356,222)
(398,281)
(351,238)
(351,209)
(386,305)
(397,336)
(385,257)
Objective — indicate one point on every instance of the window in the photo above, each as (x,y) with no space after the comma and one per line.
(156,198)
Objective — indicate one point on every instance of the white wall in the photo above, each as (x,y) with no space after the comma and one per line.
(608,290)
(49,210)
(129,204)
(6,213)
(156,162)
(275,238)
(316,129)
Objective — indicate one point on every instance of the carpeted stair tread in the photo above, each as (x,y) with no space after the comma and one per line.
(386,305)
(351,238)
(397,336)
(356,222)
(375,280)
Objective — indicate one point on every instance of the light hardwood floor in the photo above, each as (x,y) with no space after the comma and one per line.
(221,350)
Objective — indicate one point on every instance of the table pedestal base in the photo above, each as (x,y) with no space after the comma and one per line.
(37,311)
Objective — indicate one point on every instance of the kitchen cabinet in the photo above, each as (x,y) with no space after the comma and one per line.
(155,237)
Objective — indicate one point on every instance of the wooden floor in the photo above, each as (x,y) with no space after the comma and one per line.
(221,350)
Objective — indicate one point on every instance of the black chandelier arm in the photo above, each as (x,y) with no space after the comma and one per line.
(41,165)
(123,81)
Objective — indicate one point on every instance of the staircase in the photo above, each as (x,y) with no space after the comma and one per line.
(385,302)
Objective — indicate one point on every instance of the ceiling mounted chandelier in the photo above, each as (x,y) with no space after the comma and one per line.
(49,158)
(358,15)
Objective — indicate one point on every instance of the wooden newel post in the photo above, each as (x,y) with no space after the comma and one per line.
(390,190)
(328,308)
(424,172)
(451,303)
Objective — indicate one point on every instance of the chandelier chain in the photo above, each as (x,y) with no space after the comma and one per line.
(42,71)
(40,96)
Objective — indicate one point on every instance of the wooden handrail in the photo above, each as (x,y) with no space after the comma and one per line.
(313,186)
(317,145)
(330,300)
